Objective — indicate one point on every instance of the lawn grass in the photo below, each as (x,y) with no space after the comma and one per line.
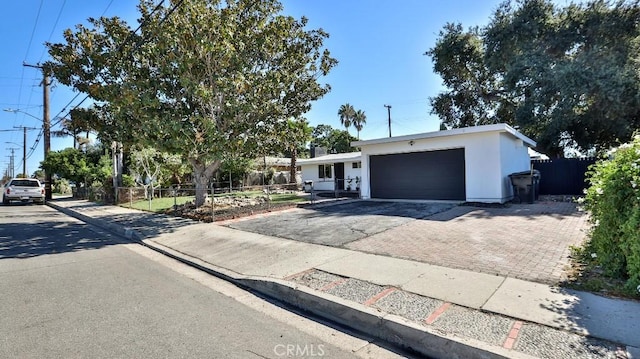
(286,197)
(162,204)
(157,204)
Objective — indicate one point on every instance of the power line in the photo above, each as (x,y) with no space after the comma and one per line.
(67,105)
(35,25)
(137,45)
(33,31)
(55,24)
(120,48)
(107,8)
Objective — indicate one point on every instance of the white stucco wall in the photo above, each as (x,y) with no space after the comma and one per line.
(350,172)
(485,169)
(514,158)
(310,173)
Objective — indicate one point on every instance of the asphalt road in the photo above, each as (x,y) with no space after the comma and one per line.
(69,290)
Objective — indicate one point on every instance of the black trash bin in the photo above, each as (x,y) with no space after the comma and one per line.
(526,185)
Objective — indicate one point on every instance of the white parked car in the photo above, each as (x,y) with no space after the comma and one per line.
(23,190)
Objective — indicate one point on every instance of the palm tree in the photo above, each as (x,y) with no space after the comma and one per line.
(346,113)
(78,122)
(359,119)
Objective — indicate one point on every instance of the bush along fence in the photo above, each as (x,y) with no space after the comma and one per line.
(613,202)
(563,176)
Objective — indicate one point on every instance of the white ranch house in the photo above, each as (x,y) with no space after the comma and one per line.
(466,164)
(324,170)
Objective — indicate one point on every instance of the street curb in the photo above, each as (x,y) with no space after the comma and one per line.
(122,231)
(390,328)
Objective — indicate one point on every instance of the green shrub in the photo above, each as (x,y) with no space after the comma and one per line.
(62,186)
(128,181)
(613,201)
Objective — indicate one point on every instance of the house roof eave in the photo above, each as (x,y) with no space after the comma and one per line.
(499,127)
(331,158)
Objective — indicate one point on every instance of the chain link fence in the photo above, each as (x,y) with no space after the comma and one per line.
(219,202)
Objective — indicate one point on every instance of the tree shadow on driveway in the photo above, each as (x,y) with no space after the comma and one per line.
(556,210)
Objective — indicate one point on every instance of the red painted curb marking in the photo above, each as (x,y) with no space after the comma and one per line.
(299,274)
(432,318)
(513,335)
(333,284)
(379,296)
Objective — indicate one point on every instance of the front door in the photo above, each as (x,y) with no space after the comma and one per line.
(338,168)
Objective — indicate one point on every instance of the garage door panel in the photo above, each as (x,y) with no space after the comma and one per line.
(435,175)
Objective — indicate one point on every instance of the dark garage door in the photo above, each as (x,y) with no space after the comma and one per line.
(436,175)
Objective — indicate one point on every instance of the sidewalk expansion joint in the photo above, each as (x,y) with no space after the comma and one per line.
(437,313)
(494,293)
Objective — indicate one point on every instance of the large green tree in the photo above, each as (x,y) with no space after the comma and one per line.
(80,167)
(207,79)
(569,77)
(332,139)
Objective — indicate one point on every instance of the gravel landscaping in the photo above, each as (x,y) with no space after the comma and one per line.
(489,328)
(317,279)
(545,342)
(356,290)
(408,305)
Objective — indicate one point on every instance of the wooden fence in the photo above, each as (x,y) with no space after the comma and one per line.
(563,176)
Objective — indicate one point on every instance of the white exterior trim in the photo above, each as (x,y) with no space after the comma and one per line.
(310,169)
(492,152)
(332,158)
(500,127)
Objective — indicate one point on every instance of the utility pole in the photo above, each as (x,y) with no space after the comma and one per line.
(389,112)
(7,172)
(24,148)
(46,123)
(12,162)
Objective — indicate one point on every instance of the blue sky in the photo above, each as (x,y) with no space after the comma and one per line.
(379,45)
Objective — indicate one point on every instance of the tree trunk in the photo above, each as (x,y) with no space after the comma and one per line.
(292,170)
(201,175)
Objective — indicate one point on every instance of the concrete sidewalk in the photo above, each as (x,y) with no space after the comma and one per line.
(433,310)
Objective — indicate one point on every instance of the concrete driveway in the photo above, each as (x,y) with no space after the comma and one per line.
(526,241)
(339,224)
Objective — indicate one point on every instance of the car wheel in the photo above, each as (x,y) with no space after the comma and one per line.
(5,201)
